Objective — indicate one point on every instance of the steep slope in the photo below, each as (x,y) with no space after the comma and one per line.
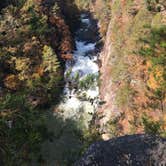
(132,85)
(133,62)
(35,40)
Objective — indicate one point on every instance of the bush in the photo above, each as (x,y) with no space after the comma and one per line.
(50,61)
(88,81)
(154,50)
(17,3)
(124,95)
(154,5)
(38,23)
(150,126)
(22,130)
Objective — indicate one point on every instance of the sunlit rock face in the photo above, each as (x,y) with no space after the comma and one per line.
(134,150)
(81,92)
(124,75)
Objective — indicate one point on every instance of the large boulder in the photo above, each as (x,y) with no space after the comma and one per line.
(134,150)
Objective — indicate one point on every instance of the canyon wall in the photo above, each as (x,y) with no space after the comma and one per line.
(128,83)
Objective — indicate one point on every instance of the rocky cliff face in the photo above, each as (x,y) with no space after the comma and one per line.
(127,85)
(136,150)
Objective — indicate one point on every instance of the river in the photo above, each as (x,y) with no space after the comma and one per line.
(72,118)
(81,92)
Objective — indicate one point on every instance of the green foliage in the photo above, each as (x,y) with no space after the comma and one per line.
(27,55)
(155,5)
(88,81)
(84,4)
(13,101)
(89,136)
(27,62)
(69,141)
(51,67)
(17,3)
(46,84)
(55,8)
(50,61)
(113,127)
(150,126)
(28,5)
(38,23)
(154,51)
(156,43)
(124,95)
(22,130)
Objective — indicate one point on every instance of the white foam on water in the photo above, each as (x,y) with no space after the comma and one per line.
(73,103)
(83,47)
(92,93)
(85,21)
(83,65)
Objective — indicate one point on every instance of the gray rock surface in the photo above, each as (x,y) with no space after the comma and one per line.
(133,150)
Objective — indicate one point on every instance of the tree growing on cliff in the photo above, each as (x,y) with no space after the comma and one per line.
(154,50)
(156,5)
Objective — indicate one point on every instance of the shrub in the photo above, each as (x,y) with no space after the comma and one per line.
(88,81)
(150,126)
(22,130)
(50,60)
(124,95)
(155,5)
(154,51)
(38,23)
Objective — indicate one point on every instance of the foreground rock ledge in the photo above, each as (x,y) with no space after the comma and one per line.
(133,150)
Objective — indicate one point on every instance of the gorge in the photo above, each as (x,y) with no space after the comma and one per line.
(80,72)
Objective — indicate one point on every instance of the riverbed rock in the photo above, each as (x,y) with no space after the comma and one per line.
(133,150)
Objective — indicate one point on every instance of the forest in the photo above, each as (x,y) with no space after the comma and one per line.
(74,72)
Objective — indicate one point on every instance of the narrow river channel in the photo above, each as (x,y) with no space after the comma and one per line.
(81,93)
(74,114)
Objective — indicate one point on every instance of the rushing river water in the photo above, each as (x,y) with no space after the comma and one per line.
(80,98)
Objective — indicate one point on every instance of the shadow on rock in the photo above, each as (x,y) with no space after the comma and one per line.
(134,150)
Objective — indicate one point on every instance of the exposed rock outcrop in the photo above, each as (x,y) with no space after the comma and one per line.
(126,86)
(134,150)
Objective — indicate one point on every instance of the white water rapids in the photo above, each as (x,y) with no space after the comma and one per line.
(80,98)
(74,114)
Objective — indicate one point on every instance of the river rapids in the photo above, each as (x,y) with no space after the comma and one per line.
(81,92)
